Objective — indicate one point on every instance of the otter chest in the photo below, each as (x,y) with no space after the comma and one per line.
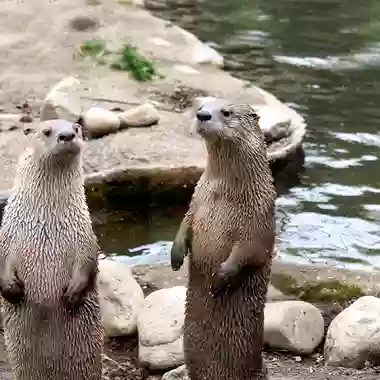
(216,225)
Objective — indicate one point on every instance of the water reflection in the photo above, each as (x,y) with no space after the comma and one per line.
(322,58)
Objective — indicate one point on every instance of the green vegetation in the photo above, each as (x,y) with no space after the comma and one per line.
(324,291)
(127,59)
(130,60)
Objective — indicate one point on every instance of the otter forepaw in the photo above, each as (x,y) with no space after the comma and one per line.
(12,288)
(222,279)
(177,254)
(76,291)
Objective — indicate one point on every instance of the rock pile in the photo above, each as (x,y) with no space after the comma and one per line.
(294,326)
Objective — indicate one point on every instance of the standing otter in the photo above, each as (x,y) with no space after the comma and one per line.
(49,266)
(229,233)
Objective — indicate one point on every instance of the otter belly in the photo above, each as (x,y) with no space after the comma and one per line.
(224,335)
(51,342)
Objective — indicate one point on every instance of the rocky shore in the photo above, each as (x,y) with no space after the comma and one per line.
(149,151)
(334,327)
(325,328)
(311,312)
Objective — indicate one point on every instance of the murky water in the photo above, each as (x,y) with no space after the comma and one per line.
(322,57)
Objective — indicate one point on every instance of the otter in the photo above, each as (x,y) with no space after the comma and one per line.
(228,233)
(49,262)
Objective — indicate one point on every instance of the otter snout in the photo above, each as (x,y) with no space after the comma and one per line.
(66,136)
(203,115)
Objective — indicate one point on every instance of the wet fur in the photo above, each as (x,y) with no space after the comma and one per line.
(232,211)
(47,241)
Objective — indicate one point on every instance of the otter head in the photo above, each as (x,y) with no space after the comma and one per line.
(56,139)
(219,121)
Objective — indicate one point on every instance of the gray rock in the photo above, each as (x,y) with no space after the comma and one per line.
(140,116)
(121,298)
(353,337)
(160,328)
(296,326)
(179,373)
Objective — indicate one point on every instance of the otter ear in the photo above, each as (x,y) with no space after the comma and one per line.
(86,134)
(28,130)
(255,115)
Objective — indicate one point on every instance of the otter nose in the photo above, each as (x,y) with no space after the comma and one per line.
(66,136)
(203,115)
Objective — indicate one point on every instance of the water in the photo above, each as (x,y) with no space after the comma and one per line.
(321,57)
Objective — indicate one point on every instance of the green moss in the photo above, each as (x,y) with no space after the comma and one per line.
(324,291)
(93,48)
(130,60)
(127,59)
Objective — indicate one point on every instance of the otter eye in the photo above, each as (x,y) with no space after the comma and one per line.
(76,129)
(47,132)
(225,113)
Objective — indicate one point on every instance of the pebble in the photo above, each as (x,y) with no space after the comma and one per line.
(141,116)
(98,122)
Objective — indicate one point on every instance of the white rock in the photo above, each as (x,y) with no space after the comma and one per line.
(121,298)
(203,54)
(296,326)
(99,121)
(140,116)
(60,102)
(186,69)
(160,327)
(160,41)
(15,117)
(274,122)
(354,335)
(179,373)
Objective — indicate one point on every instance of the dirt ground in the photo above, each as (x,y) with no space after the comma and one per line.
(280,366)
(120,363)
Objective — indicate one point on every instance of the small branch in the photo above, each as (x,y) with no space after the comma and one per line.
(114,362)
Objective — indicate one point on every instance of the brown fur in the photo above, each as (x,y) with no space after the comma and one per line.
(48,254)
(229,232)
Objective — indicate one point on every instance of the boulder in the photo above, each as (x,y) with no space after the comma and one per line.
(295,326)
(353,337)
(160,328)
(121,298)
(179,373)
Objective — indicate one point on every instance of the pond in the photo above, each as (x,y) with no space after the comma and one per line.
(321,57)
